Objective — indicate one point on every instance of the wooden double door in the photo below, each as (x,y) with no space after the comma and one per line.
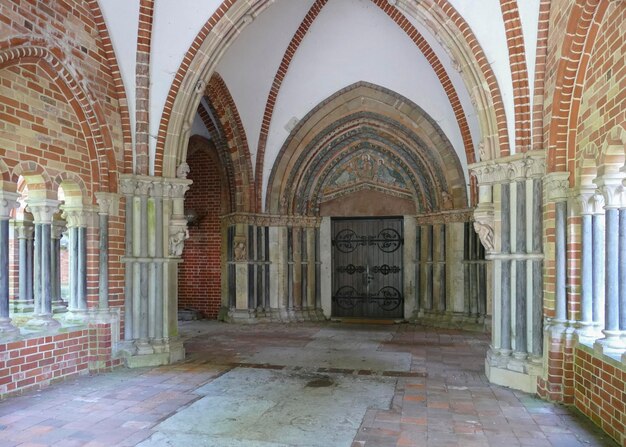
(367,268)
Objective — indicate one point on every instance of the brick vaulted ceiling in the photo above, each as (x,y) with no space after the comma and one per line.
(281,58)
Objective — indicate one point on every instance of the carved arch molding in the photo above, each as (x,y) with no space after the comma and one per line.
(366,138)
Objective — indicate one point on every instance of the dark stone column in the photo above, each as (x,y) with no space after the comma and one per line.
(505,310)
(8,201)
(520,274)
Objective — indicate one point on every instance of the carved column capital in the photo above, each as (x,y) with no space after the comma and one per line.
(108,203)
(556,186)
(176,188)
(612,189)
(8,202)
(58,228)
(24,229)
(75,217)
(583,201)
(43,210)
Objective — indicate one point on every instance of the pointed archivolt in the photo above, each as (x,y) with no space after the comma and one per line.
(366,137)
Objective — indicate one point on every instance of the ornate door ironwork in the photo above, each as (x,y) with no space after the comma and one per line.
(367,268)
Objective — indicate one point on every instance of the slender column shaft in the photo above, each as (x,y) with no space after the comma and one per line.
(428,295)
(103,261)
(622,269)
(159,253)
(81,280)
(505,307)
(537,266)
(473,271)
(560,249)
(37,292)
(46,301)
(128,270)
(611,268)
(143,269)
(73,232)
(4,270)
(418,268)
(520,279)
(54,269)
(587,269)
(23,269)
(30,270)
(598,270)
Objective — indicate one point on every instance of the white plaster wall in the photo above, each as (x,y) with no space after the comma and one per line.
(175,26)
(529,15)
(250,64)
(121,18)
(457,81)
(198,127)
(485,20)
(351,41)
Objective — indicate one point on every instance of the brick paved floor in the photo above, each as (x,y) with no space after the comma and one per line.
(443,399)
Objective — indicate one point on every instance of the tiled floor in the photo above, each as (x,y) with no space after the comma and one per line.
(441,397)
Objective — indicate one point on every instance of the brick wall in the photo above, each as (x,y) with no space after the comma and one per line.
(199,276)
(601,392)
(37,362)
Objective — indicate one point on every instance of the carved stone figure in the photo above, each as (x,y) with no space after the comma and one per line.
(241,252)
(178,236)
(485,233)
(182,171)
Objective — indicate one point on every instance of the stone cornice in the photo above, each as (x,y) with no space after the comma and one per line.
(144,186)
(445,217)
(269,220)
(516,167)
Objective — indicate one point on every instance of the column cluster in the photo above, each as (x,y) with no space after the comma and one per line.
(508,220)
(273,268)
(156,230)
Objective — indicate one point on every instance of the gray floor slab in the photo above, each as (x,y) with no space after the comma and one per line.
(332,358)
(269,408)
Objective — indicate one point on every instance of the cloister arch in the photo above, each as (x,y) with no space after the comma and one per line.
(215,37)
(365,120)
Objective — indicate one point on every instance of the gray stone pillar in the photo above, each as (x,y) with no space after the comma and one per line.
(622,272)
(598,233)
(560,262)
(107,202)
(520,274)
(25,234)
(537,270)
(8,201)
(43,211)
(58,228)
(128,189)
(586,240)
(505,279)
(611,188)
(76,220)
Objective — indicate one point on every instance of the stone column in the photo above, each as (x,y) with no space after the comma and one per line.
(598,280)
(8,201)
(585,202)
(505,278)
(537,269)
(611,189)
(43,211)
(58,228)
(521,296)
(25,234)
(106,204)
(76,220)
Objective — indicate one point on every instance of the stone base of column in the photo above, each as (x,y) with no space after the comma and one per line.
(20,306)
(75,316)
(242,316)
(7,330)
(162,352)
(449,320)
(613,343)
(43,322)
(588,333)
(59,307)
(511,372)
